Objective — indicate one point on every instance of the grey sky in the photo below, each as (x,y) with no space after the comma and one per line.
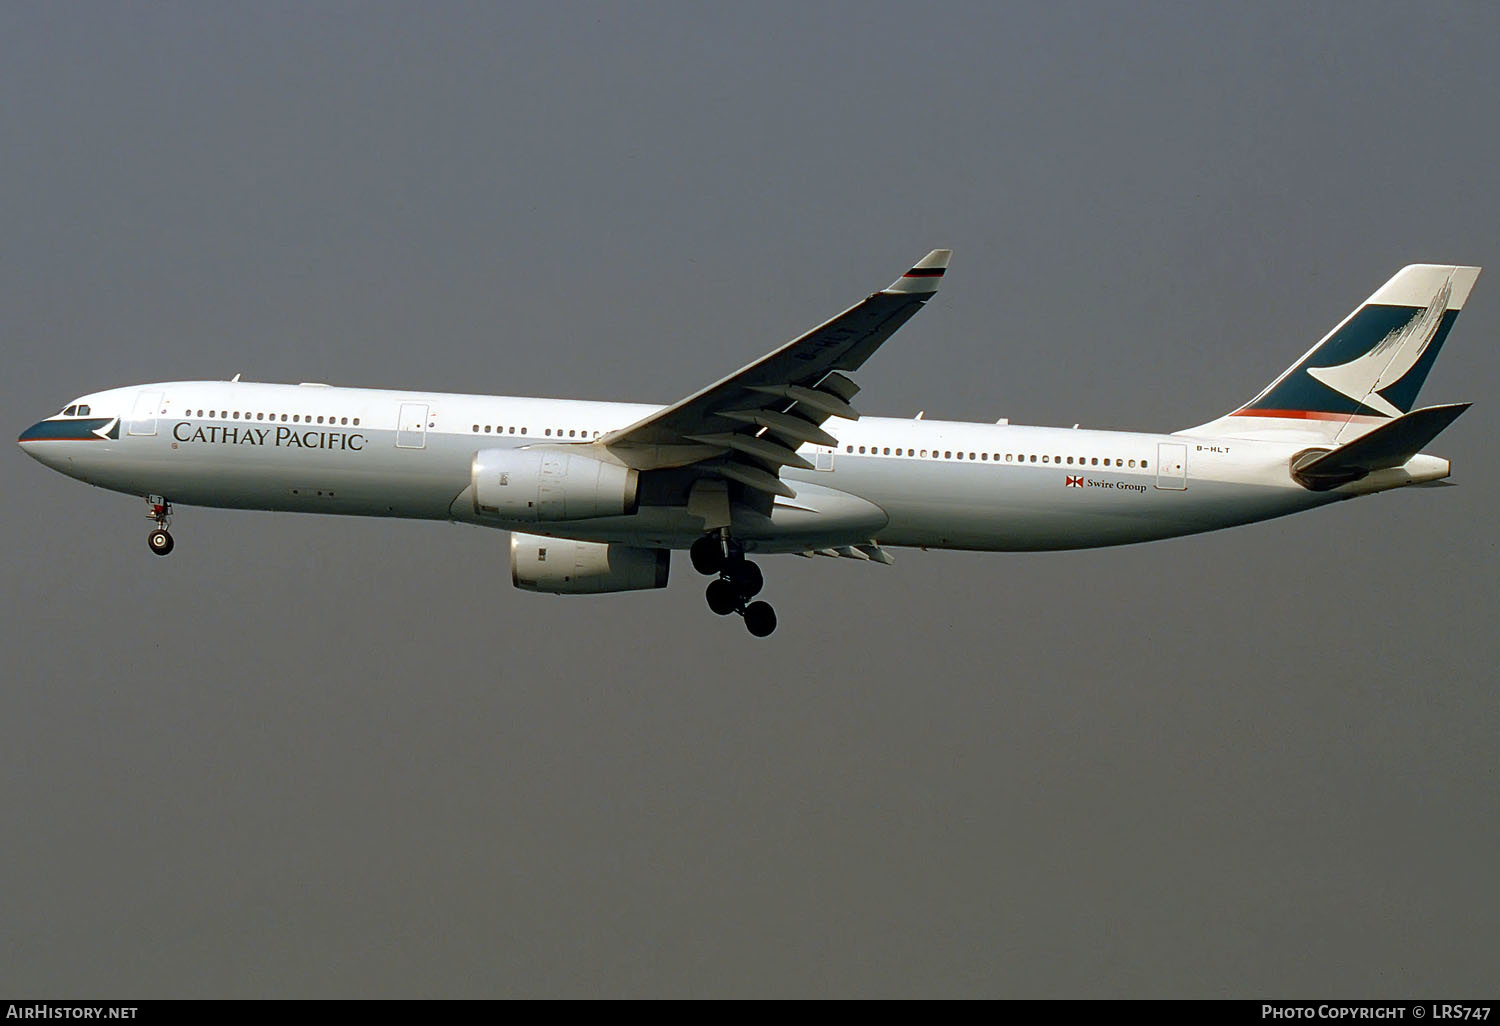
(315,757)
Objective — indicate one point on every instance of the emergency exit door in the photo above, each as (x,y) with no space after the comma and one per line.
(1171,466)
(411,426)
(143,416)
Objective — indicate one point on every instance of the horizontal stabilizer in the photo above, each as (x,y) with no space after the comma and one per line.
(1390,445)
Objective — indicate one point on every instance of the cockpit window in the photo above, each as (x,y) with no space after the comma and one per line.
(83,411)
(70,411)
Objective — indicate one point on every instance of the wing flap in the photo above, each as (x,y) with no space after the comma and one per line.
(752,477)
(815,399)
(757,446)
(793,428)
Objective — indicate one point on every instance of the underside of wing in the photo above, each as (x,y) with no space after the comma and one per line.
(736,435)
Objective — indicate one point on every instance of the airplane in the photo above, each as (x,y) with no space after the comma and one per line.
(774,458)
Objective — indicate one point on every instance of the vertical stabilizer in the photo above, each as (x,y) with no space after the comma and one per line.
(1366,371)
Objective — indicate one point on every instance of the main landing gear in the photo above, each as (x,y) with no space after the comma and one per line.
(159,510)
(739,580)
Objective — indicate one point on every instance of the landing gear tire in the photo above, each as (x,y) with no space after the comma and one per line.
(760,619)
(707,555)
(160,542)
(722,598)
(746,578)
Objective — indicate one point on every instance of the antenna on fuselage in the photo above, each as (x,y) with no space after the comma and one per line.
(235,378)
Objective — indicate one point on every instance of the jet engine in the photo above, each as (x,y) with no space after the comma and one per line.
(561,566)
(546,485)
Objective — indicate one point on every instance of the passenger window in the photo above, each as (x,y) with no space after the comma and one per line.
(1143,464)
(1033,459)
(888,451)
(356,422)
(572,433)
(1044,459)
(513,430)
(984,456)
(1095,461)
(861,450)
(1132,464)
(947,454)
(924,454)
(260,416)
(523,431)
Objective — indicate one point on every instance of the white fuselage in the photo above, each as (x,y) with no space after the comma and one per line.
(940,484)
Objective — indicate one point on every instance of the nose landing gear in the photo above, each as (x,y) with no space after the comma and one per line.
(159,510)
(739,580)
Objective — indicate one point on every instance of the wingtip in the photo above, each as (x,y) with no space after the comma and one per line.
(925,273)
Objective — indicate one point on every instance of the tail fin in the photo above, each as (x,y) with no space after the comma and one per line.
(1365,371)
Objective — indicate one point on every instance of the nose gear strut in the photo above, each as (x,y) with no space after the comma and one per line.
(159,510)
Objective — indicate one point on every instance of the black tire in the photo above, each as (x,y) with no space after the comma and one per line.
(707,555)
(747,578)
(760,619)
(722,598)
(160,542)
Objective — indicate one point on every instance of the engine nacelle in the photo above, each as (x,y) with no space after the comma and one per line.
(547,485)
(561,566)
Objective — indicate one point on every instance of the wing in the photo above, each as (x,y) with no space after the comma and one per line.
(748,426)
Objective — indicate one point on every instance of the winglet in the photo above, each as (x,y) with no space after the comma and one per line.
(924,277)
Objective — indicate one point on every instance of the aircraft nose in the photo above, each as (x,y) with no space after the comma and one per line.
(32,435)
(53,442)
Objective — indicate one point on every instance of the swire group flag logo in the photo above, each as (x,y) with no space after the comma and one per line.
(1073,482)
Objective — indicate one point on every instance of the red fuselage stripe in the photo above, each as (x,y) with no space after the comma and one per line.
(1306,415)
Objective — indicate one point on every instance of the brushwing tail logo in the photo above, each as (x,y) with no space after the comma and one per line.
(1363,377)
